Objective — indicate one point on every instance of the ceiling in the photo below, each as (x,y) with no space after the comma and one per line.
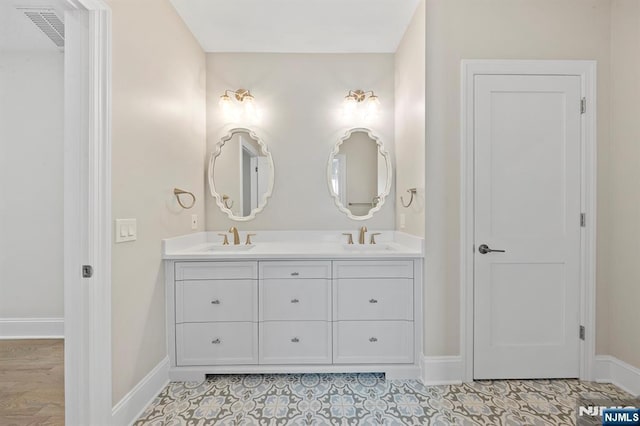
(297,26)
(17,32)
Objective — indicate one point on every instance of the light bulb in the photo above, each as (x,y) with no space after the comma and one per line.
(372,108)
(249,106)
(226,105)
(349,105)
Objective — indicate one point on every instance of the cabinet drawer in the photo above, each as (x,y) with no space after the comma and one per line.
(216,300)
(372,342)
(295,270)
(217,343)
(216,270)
(299,342)
(295,300)
(373,269)
(373,299)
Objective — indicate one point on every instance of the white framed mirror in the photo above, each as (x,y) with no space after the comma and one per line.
(241,174)
(359,174)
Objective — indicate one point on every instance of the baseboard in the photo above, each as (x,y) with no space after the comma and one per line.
(136,401)
(610,369)
(441,370)
(31,328)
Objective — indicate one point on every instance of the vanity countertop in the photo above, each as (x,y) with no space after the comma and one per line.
(292,245)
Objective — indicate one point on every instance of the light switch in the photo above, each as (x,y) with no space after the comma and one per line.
(403,221)
(126,230)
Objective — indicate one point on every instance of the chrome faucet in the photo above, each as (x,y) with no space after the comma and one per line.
(236,236)
(363,231)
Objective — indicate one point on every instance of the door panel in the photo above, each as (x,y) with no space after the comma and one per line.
(527,202)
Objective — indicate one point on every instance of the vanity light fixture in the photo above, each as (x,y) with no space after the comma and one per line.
(367,99)
(245,99)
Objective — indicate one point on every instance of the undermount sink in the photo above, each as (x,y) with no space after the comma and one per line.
(230,247)
(368,247)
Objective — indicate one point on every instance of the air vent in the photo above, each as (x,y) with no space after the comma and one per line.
(48,22)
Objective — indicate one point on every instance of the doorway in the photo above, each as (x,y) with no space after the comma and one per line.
(527,219)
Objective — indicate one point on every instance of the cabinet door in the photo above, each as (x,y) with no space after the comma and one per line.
(373,269)
(372,342)
(295,300)
(216,300)
(373,299)
(217,343)
(295,342)
(295,269)
(216,270)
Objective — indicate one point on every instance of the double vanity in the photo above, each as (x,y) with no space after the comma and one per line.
(294,302)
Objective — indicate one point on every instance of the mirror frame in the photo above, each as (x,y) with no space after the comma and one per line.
(212,161)
(381,151)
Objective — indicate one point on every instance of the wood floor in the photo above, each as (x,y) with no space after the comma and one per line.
(31,382)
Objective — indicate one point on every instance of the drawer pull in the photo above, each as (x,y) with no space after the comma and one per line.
(373,339)
(373,301)
(295,301)
(295,340)
(216,342)
(295,274)
(215,302)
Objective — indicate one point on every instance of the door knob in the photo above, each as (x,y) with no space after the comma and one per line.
(484,249)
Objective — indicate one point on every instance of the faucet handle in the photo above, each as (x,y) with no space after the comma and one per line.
(350,239)
(373,237)
(225,241)
(248,242)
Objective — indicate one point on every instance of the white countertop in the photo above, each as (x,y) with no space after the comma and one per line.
(292,245)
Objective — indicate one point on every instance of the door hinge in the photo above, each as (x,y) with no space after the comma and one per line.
(583,220)
(583,105)
(87,271)
(582,332)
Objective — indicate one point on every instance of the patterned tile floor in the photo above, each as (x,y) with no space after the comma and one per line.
(368,399)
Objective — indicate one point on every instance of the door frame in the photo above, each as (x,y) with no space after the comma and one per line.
(87,213)
(586,70)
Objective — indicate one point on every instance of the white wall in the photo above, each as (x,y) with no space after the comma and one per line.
(301,97)
(31,179)
(622,269)
(410,123)
(497,29)
(158,144)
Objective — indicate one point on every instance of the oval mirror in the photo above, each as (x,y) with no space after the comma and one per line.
(241,174)
(359,174)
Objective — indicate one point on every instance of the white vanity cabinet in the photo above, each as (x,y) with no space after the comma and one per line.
(289,316)
(216,319)
(373,312)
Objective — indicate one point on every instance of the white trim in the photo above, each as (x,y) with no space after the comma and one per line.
(87,213)
(612,370)
(441,370)
(131,406)
(587,71)
(31,328)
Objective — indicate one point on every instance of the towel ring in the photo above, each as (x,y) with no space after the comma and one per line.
(412,191)
(225,200)
(178,192)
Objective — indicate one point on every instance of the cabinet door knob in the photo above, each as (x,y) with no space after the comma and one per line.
(216,342)
(295,340)
(295,274)
(295,301)
(373,339)
(215,302)
(373,301)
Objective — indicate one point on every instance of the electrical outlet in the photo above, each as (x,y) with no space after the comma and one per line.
(194,221)
(402,221)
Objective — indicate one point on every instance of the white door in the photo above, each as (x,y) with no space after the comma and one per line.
(527,135)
